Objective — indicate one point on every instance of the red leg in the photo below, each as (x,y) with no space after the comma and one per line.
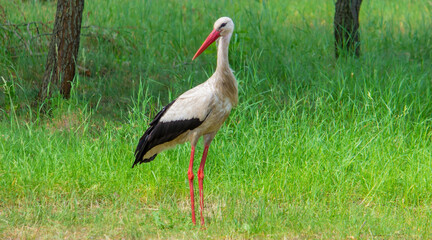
(191,177)
(200,181)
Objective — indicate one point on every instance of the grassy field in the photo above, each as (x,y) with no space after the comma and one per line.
(317,148)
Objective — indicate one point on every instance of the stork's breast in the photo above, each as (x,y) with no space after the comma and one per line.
(220,112)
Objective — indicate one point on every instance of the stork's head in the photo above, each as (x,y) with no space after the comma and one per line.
(224,26)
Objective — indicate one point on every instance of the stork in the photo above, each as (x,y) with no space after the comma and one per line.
(201,111)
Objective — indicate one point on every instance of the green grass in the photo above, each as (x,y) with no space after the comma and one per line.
(317,148)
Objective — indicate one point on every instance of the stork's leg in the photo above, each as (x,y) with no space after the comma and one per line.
(191,177)
(200,181)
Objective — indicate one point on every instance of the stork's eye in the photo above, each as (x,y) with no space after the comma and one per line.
(223,25)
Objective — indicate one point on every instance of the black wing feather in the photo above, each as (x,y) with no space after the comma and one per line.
(162,132)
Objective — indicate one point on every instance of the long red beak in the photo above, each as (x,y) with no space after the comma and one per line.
(210,39)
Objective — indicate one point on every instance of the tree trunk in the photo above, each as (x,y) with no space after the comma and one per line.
(63,49)
(346,25)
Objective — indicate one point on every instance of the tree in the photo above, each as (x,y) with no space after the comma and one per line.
(63,49)
(346,25)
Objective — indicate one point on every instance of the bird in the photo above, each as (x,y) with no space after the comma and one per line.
(199,112)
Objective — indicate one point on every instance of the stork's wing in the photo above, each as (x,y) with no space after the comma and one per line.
(193,104)
(185,113)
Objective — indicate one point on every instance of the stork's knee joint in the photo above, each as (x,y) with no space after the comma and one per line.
(200,175)
(190,175)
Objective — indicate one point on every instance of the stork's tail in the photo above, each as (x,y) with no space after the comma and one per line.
(141,149)
(145,143)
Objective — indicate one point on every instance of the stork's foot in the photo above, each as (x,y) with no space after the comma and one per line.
(200,182)
(191,177)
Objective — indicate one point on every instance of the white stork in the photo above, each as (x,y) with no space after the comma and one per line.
(198,112)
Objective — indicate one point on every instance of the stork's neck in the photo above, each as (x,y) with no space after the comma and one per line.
(223,78)
(222,56)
